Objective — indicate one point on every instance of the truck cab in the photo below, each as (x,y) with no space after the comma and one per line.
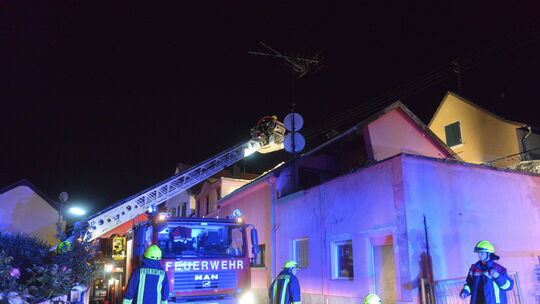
(206,260)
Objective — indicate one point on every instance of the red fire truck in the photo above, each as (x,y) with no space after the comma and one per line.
(206,260)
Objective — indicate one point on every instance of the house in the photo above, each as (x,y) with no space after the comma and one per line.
(291,226)
(25,209)
(481,137)
(382,228)
(218,186)
(182,204)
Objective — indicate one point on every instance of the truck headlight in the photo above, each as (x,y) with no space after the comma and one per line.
(247,298)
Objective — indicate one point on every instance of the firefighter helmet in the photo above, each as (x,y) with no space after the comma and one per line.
(64,247)
(484,246)
(372,299)
(290,264)
(153,253)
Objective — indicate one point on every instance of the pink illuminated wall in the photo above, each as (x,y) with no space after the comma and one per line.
(395,132)
(255,203)
(462,204)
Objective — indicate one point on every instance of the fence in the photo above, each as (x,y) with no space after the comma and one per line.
(447,291)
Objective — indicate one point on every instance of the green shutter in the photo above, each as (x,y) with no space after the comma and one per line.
(453,134)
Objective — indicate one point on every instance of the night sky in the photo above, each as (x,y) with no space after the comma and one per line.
(102,99)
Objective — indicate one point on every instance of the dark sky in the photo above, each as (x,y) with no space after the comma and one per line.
(101,99)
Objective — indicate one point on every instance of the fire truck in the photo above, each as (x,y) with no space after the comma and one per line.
(206,259)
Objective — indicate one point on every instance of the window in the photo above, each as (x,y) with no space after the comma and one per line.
(207,205)
(453,134)
(192,240)
(184,210)
(259,261)
(200,208)
(173,212)
(301,253)
(342,260)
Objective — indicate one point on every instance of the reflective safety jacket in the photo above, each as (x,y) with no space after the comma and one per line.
(147,284)
(285,289)
(483,288)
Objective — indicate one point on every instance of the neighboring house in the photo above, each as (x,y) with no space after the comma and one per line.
(481,137)
(199,200)
(218,186)
(265,201)
(25,209)
(182,204)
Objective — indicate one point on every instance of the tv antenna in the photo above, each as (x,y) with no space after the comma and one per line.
(302,66)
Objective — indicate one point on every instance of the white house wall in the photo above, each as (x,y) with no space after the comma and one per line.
(360,207)
(465,204)
(386,202)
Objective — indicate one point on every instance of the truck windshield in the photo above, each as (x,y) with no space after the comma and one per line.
(206,239)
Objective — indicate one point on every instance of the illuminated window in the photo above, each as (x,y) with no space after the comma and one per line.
(342,260)
(300,252)
(453,134)
(259,261)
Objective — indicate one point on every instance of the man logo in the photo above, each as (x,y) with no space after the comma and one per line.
(200,277)
(206,284)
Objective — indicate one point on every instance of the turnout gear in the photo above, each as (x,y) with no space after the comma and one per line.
(148,284)
(372,299)
(487,281)
(285,289)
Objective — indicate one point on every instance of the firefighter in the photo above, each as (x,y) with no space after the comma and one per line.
(285,289)
(148,284)
(372,299)
(487,281)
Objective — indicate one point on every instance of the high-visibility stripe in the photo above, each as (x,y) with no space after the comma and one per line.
(284,290)
(274,291)
(497,292)
(295,302)
(161,277)
(142,282)
(127,301)
(506,285)
(285,282)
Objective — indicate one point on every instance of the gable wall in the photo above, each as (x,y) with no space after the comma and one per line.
(484,136)
(25,211)
(394,133)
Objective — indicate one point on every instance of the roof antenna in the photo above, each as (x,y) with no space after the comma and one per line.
(302,66)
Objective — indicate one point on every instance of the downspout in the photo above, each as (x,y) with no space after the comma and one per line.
(272,238)
(524,144)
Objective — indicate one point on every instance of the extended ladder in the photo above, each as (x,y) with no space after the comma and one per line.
(270,138)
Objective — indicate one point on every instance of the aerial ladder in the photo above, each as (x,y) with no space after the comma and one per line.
(266,137)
